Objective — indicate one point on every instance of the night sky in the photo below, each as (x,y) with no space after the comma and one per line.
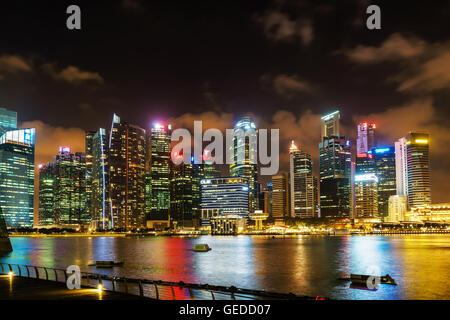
(283,62)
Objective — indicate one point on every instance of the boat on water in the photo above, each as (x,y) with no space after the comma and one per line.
(362,279)
(106,264)
(201,247)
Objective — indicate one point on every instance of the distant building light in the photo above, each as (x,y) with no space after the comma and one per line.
(329,116)
(366,177)
(64,149)
(382,150)
(421,141)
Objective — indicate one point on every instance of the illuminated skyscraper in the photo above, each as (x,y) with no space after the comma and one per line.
(418,168)
(160,140)
(89,137)
(303,185)
(366,137)
(17,176)
(184,194)
(335,170)
(62,190)
(384,161)
(98,184)
(401,167)
(366,196)
(244,155)
(280,196)
(330,125)
(268,198)
(127,174)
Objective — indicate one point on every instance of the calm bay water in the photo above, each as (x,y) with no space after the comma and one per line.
(309,265)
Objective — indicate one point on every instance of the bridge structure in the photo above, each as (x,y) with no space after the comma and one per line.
(34,282)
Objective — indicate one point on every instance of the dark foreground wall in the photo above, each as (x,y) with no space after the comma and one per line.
(5,245)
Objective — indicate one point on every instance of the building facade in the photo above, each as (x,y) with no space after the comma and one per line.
(303,185)
(160,141)
(418,168)
(366,137)
(224,196)
(384,160)
(244,161)
(366,196)
(127,155)
(17,150)
(62,190)
(280,196)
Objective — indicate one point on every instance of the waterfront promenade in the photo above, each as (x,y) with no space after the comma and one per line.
(22,288)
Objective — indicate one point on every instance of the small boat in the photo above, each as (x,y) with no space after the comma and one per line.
(106,264)
(362,279)
(201,247)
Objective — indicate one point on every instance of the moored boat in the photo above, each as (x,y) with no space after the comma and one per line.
(201,247)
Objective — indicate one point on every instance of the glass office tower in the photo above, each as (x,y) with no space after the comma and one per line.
(244,156)
(127,156)
(160,136)
(17,176)
(62,190)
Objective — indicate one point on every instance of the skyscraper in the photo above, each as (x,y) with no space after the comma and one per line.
(89,137)
(303,185)
(335,170)
(280,196)
(127,156)
(366,137)
(100,202)
(184,194)
(62,190)
(244,163)
(17,176)
(384,161)
(418,168)
(160,140)
(366,196)
(401,167)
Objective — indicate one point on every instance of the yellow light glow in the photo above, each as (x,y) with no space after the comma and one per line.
(422,141)
(11,274)
(100,288)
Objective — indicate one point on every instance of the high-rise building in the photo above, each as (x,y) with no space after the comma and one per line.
(17,176)
(418,168)
(335,171)
(398,206)
(244,148)
(330,125)
(384,161)
(401,170)
(8,120)
(184,194)
(268,198)
(280,196)
(89,138)
(127,155)
(62,190)
(160,141)
(366,196)
(224,196)
(365,163)
(366,137)
(303,185)
(98,184)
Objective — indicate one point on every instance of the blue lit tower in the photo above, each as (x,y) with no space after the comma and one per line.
(243,149)
(384,161)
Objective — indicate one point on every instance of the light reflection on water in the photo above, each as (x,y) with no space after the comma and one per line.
(309,265)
